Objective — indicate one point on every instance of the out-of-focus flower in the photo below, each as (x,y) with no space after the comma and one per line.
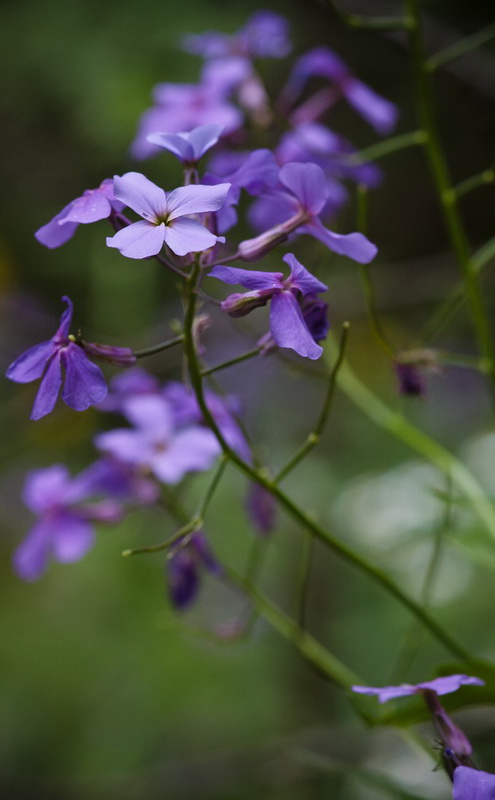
(190,146)
(184,567)
(287,323)
(473,784)
(134,381)
(64,529)
(266,34)
(444,685)
(93,205)
(84,382)
(261,508)
(156,444)
(166,217)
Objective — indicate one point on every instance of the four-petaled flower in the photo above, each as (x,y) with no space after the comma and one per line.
(93,205)
(287,324)
(445,685)
(84,382)
(166,217)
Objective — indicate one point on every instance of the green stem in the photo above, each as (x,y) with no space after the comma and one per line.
(446,193)
(460,48)
(304,578)
(388,146)
(482,179)
(231,362)
(371,23)
(159,348)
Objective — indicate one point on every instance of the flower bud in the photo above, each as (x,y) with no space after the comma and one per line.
(242,303)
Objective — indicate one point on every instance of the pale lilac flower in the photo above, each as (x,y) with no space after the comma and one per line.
(93,205)
(473,784)
(166,217)
(183,568)
(444,685)
(134,381)
(190,146)
(264,35)
(84,382)
(156,444)
(287,324)
(64,530)
(303,190)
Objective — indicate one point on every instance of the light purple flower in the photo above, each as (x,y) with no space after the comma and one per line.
(264,35)
(156,444)
(190,146)
(64,530)
(445,685)
(84,382)
(166,217)
(183,567)
(304,191)
(287,324)
(93,205)
(473,784)
(323,62)
(134,381)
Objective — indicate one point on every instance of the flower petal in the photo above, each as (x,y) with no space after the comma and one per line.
(288,327)
(90,207)
(307,183)
(188,236)
(352,245)
(49,389)
(84,382)
(150,413)
(140,194)
(66,318)
(71,538)
(31,364)
(139,240)
(381,114)
(53,234)
(192,450)
(196,199)
(473,784)
(301,278)
(31,557)
(131,447)
(46,487)
(249,278)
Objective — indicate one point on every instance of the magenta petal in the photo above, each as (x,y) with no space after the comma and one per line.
(196,199)
(84,382)
(71,538)
(49,388)
(352,245)
(140,194)
(473,784)
(188,236)
(301,278)
(288,327)
(91,207)
(31,364)
(31,557)
(53,234)
(249,278)
(139,240)
(306,182)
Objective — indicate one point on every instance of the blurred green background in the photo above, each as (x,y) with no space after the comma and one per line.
(104,693)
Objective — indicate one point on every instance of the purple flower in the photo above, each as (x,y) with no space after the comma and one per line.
(409,379)
(261,508)
(188,147)
(473,784)
(183,569)
(324,63)
(93,205)
(156,444)
(135,381)
(445,685)
(264,35)
(64,528)
(287,324)
(166,217)
(84,382)
(304,192)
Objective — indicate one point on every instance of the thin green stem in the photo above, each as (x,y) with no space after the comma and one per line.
(395,23)
(194,524)
(388,146)
(460,48)
(474,182)
(230,362)
(303,583)
(159,348)
(314,437)
(446,193)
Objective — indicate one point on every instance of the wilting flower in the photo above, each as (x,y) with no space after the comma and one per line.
(440,686)
(156,444)
(287,324)
(190,146)
(166,217)
(183,568)
(84,382)
(93,205)
(64,529)
(473,784)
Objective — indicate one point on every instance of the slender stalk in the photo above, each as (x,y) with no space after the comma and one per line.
(230,362)
(388,146)
(474,182)
(446,193)
(304,578)
(159,348)
(460,48)
(396,23)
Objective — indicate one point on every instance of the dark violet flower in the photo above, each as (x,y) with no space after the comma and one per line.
(184,566)
(166,217)
(84,382)
(473,784)
(409,380)
(261,508)
(324,63)
(315,314)
(190,146)
(304,192)
(266,34)
(287,324)
(440,686)
(64,529)
(93,205)
(155,443)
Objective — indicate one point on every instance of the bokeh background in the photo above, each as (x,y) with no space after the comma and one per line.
(104,692)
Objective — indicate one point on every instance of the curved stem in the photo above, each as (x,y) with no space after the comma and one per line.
(158,348)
